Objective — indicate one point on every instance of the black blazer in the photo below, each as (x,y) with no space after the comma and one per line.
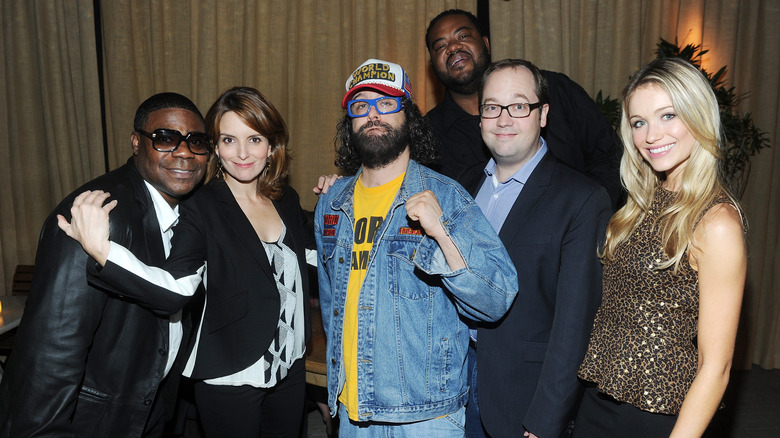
(528,361)
(242,300)
(86,363)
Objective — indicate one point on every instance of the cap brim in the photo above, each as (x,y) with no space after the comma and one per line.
(383,89)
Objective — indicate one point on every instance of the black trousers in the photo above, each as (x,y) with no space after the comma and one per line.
(602,416)
(246,411)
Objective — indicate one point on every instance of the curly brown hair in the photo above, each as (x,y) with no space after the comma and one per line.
(423,147)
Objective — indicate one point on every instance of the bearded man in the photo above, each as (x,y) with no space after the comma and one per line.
(404,253)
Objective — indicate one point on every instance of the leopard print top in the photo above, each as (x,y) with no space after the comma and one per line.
(642,348)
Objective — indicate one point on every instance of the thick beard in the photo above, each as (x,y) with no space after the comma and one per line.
(377,151)
(468,84)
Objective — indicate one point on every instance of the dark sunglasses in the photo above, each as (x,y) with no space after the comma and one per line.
(168,140)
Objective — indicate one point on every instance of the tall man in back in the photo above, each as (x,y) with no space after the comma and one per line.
(86,363)
(404,252)
(576,132)
(551,219)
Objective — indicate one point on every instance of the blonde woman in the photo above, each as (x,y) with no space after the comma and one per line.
(674,267)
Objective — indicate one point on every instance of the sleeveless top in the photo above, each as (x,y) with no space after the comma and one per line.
(642,348)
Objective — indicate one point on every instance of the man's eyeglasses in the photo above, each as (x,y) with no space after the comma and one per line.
(383,105)
(516,110)
(168,140)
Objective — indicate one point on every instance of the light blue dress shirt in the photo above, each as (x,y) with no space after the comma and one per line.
(495,199)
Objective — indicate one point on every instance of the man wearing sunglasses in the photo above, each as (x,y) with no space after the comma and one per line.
(551,219)
(86,362)
(403,252)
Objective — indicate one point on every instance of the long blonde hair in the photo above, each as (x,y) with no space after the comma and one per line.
(696,106)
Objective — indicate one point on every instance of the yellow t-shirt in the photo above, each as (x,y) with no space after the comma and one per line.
(371,205)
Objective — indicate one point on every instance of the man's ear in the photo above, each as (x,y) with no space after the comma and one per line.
(135,141)
(486,40)
(543,114)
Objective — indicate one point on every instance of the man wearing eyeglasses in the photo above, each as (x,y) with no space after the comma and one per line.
(403,253)
(85,362)
(577,132)
(551,219)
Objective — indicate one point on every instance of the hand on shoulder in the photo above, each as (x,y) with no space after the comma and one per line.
(89,223)
(324,183)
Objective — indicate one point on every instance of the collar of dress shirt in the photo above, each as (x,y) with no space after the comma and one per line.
(522,174)
(166,216)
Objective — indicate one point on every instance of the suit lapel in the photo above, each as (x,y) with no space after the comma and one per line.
(152,238)
(155,253)
(237,223)
(528,201)
(290,216)
(472,180)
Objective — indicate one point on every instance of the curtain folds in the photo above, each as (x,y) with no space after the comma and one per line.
(299,53)
(50,125)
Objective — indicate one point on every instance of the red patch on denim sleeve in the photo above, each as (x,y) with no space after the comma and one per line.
(409,231)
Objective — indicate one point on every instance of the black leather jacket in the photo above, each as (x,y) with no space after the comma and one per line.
(86,363)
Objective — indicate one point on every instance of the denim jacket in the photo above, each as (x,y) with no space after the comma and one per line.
(411,341)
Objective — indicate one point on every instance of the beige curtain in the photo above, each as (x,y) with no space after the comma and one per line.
(50,132)
(600,43)
(299,54)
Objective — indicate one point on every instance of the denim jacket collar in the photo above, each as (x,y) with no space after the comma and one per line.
(414,182)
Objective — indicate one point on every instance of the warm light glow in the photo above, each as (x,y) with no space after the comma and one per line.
(690,30)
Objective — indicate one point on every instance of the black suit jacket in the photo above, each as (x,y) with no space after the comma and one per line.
(242,300)
(527,362)
(86,363)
